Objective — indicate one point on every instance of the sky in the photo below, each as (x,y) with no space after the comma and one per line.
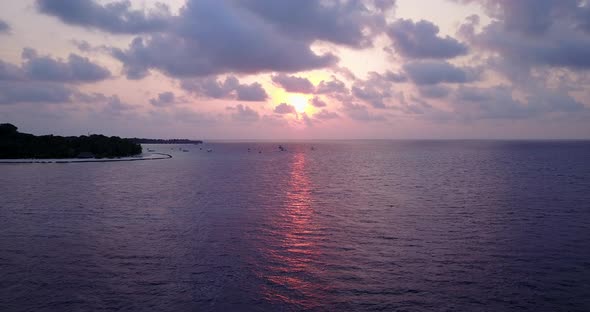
(305,69)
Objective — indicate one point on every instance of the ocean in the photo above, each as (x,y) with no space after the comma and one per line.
(322,226)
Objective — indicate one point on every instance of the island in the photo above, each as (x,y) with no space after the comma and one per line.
(17,145)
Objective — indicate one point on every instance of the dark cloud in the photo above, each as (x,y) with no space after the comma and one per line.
(559,47)
(326,115)
(535,17)
(115,107)
(396,77)
(340,22)
(163,99)
(333,86)
(42,79)
(116,17)
(4,27)
(253,92)
(531,33)
(10,72)
(421,41)
(499,102)
(417,106)
(360,112)
(293,83)
(82,45)
(231,88)
(308,121)
(44,68)
(215,37)
(528,40)
(384,5)
(434,72)
(317,102)
(377,90)
(284,109)
(75,69)
(13,92)
(371,95)
(434,91)
(549,101)
(583,16)
(244,113)
(107,105)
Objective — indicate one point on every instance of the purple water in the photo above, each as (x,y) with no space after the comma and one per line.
(349,226)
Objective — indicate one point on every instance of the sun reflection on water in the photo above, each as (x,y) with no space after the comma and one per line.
(293,275)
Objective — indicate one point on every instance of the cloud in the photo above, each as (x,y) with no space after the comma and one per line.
(163,99)
(418,106)
(376,90)
(384,5)
(350,23)
(109,105)
(317,102)
(421,41)
(13,92)
(75,69)
(558,47)
(4,27)
(231,88)
(499,102)
(284,109)
(293,83)
(535,17)
(533,33)
(253,92)
(360,112)
(333,86)
(82,45)
(396,77)
(114,106)
(434,91)
(42,79)
(325,115)
(241,42)
(10,72)
(371,95)
(116,17)
(308,121)
(434,72)
(244,113)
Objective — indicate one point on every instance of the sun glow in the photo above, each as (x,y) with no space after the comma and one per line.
(298,101)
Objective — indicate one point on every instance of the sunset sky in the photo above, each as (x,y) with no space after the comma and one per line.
(286,69)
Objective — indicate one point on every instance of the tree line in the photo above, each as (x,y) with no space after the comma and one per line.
(14,145)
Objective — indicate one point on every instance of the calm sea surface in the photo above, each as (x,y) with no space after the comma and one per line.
(349,226)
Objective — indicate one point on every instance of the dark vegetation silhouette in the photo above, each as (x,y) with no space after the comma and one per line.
(169,141)
(14,144)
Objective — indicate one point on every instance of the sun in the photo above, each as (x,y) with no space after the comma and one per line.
(299,102)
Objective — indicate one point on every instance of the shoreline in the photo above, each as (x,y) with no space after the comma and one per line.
(152,156)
